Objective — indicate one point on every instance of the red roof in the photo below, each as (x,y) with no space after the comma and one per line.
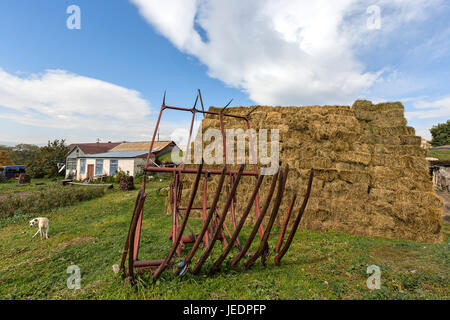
(96,147)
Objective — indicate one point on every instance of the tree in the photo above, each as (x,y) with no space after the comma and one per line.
(45,159)
(441,134)
(23,153)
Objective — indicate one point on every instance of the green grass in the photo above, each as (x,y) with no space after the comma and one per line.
(51,197)
(319,265)
(442,155)
(11,186)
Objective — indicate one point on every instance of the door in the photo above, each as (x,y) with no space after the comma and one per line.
(90,171)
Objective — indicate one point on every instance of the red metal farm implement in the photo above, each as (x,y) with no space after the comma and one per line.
(214,227)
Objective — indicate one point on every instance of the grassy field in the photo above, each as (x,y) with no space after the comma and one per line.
(442,155)
(12,186)
(318,265)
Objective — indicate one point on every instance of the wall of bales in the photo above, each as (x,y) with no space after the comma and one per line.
(371,176)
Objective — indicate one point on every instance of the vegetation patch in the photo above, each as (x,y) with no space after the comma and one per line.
(442,155)
(319,265)
(49,198)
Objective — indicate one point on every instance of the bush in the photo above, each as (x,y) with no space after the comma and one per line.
(50,198)
(3,179)
(441,134)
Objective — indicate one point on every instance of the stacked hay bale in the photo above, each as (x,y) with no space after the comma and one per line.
(371,176)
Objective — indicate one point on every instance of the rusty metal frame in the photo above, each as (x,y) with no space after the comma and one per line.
(133,239)
(214,226)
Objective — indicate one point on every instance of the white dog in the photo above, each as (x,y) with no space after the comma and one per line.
(42,224)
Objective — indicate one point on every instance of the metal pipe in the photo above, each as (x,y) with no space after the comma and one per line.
(193,170)
(221,221)
(285,223)
(263,247)
(185,264)
(133,226)
(127,243)
(183,224)
(297,221)
(227,250)
(258,222)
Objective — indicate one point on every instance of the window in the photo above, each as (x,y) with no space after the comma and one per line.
(82,166)
(71,164)
(98,166)
(113,167)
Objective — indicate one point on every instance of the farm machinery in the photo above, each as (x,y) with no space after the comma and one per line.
(213,217)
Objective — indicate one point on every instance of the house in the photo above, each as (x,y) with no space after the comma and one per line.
(159,147)
(127,156)
(98,159)
(109,163)
(80,149)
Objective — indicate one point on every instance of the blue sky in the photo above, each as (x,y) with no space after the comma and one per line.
(106,79)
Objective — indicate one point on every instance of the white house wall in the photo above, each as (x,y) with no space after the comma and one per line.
(130,165)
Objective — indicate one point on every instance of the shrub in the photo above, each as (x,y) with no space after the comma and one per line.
(50,198)
(3,179)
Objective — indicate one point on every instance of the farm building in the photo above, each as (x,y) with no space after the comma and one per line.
(109,163)
(127,157)
(80,149)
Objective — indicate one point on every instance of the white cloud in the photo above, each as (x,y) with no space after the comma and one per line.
(439,109)
(282,52)
(84,107)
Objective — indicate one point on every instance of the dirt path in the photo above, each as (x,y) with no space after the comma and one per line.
(445,196)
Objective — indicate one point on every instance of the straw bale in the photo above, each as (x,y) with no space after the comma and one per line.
(371,176)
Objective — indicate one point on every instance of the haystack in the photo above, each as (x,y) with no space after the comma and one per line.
(371,176)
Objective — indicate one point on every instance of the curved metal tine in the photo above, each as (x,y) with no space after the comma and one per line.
(201,102)
(227,250)
(226,106)
(249,241)
(296,222)
(133,226)
(195,103)
(127,244)
(208,250)
(285,223)
(263,246)
(254,109)
(163,265)
(185,264)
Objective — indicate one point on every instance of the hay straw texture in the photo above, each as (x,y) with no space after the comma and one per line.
(5,160)
(371,176)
